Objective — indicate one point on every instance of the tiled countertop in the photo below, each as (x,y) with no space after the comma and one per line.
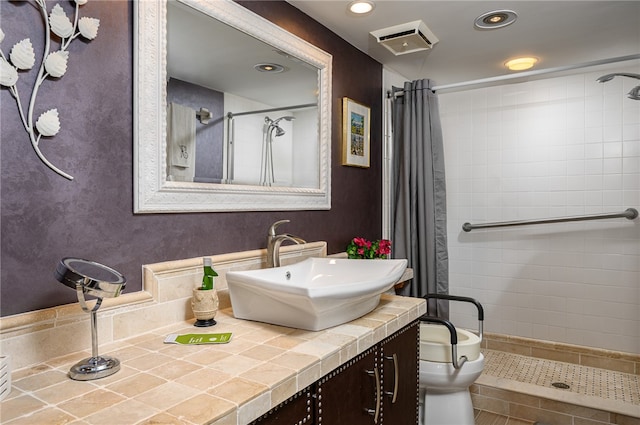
(229,384)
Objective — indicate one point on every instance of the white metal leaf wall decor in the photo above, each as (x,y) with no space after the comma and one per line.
(22,58)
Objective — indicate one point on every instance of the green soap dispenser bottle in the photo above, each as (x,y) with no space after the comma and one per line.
(204,302)
(209,274)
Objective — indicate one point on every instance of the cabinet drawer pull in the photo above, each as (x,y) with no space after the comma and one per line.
(396,378)
(375,412)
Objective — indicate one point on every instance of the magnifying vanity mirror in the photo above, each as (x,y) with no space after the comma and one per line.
(232,112)
(99,281)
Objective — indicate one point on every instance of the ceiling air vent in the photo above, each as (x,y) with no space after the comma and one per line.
(406,38)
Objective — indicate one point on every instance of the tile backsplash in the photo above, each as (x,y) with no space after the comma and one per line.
(34,337)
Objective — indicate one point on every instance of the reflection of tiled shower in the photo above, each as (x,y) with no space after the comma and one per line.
(268,128)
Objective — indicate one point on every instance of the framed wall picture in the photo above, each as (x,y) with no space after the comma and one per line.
(356,127)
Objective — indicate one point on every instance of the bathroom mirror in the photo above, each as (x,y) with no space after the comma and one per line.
(266,107)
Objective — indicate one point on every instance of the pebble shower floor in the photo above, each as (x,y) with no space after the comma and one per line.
(583,380)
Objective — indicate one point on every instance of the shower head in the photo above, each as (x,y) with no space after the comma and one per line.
(286,118)
(606,78)
(634,93)
(273,124)
(610,77)
(279,131)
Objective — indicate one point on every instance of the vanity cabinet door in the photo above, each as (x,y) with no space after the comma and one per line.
(349,394)
(399,360)
(296,410)
(379,386)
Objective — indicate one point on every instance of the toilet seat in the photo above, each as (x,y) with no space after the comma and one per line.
(435,343)
(440,376)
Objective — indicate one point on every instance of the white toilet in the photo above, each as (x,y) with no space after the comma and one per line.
(444,390)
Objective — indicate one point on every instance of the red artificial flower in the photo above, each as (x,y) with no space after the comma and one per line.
(363,248)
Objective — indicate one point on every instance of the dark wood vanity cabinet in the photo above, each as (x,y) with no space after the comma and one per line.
(379,386)
(350,394)
(298,409)
(399,357)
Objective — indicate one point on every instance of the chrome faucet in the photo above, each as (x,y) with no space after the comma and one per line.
(274,241)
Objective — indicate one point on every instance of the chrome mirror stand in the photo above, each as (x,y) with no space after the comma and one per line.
(102,282)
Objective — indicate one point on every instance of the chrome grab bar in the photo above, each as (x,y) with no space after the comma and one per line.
(629,213)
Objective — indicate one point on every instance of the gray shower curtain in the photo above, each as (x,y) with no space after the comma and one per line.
(418,212)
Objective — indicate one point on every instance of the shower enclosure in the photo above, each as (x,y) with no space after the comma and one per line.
(267,150)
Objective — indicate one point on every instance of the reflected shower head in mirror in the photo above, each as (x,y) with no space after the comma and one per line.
(286,118)
(273,124)
(94,279)
(279,130)
(634,93)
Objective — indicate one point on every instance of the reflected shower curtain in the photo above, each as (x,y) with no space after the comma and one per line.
(418,211)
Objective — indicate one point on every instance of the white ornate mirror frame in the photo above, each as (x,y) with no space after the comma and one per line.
(152,192)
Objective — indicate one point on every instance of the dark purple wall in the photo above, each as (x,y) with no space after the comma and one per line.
(210,136)
(45,217)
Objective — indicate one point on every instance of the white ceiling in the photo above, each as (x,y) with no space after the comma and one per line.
(559,33)
(206,52)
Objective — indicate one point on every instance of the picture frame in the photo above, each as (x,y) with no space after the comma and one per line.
(356,129)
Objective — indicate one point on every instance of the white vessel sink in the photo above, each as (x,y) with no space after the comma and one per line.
(314,294)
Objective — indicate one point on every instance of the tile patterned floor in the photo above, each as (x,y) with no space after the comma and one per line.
(581,379)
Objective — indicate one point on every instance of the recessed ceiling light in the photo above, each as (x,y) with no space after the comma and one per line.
(520,64)
(269,67)
(361,7)
(495,19)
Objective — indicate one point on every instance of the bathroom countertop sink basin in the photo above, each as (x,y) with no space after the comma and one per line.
(314,294)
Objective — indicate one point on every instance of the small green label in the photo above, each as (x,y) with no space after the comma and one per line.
(197,339)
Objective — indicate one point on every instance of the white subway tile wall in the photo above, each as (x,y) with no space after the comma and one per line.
(556,147)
